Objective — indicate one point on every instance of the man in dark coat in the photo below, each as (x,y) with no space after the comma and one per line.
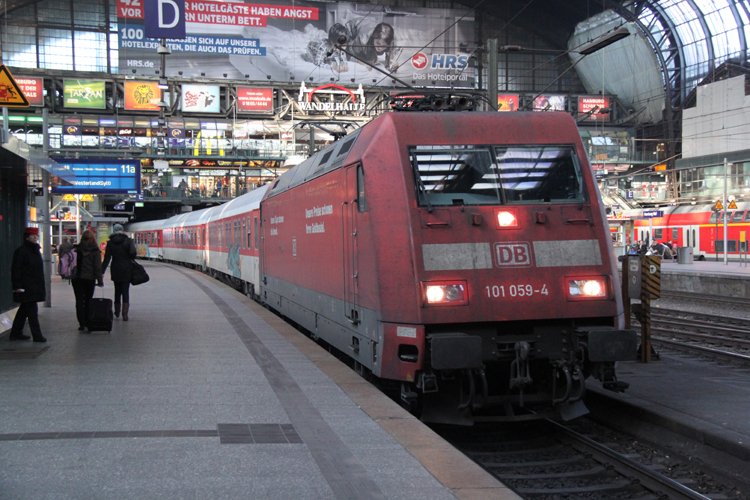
(27,278)
(121,251)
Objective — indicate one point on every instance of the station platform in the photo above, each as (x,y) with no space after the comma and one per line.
(206,394)
(697,406)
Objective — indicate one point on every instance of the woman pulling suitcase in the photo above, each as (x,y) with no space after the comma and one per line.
(121,251)
(88,275)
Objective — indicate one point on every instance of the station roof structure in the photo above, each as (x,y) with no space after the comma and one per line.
(688,38)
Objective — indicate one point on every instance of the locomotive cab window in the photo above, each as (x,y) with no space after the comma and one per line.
(493,175)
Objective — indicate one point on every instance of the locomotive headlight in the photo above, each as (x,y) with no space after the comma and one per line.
(506,219)
(587,288)
(445,293)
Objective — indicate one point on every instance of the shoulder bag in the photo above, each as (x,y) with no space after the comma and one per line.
(138,275)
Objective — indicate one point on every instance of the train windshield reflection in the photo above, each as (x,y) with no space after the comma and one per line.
(485,175)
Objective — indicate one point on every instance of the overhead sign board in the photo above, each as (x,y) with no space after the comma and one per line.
(200,98)
(10,93)
(588,103)
(287,40)
(549,103)
(142,96)
(99,176)
(653,213)
(254,100)
(162,18)
(84,94)
(33,89)
(507,102)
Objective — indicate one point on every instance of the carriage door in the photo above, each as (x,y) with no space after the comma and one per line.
(349,211)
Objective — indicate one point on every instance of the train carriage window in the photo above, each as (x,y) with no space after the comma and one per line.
(717,219)
(747,217)
(361,197)
(658,234)
(484,175)
(243,232)
(738,216)
(249,239)
(694,237)
(675,233)
(255,230)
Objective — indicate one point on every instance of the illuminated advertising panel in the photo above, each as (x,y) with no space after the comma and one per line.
(32,88)
(84,94)
(254,100)
(142,96)
(200,98)
(549,103)
(507,102)
(96,176)
(587,103)
(292,39)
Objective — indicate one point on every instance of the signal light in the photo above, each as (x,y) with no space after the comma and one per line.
(445,293)
(506,219)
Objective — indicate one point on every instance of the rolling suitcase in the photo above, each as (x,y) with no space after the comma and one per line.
(100,315)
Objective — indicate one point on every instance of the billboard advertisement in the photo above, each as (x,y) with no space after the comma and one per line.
(507,102)
(84,94)
(254,100)
(295,40)
(142,96)
(96,176)
(200,98)
(587,103)
(32,88)
(549,103)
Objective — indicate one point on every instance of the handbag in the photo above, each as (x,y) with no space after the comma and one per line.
(138,275)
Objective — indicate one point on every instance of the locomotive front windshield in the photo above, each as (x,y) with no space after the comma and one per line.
(495,175)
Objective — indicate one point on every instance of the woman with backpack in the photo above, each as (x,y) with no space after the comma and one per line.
(88,275)
(121,251)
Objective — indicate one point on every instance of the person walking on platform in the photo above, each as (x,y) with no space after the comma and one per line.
(121,251)
(27,278)
(88,275)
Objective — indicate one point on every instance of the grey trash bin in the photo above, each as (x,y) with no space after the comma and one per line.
(685,255)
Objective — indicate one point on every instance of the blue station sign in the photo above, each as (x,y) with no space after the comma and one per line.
(653,213)
(102,176)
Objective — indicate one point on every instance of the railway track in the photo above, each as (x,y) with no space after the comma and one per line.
(702,297)
(545,460)
(721,337)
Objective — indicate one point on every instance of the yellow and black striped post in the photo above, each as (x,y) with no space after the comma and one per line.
(651,289)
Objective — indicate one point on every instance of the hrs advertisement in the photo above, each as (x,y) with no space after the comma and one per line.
(293,41)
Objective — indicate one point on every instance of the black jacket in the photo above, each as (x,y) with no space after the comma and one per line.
(27,273)
(89,262)
(121,250)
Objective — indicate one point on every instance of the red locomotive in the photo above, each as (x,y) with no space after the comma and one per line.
(463,257)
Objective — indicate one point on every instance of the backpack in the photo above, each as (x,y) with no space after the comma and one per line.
(68,265)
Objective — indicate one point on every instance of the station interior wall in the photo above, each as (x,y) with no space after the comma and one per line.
(720,121)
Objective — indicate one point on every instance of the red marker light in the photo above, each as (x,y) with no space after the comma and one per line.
(506,218)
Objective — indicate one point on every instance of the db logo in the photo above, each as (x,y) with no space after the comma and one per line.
(517,253)
(419,60)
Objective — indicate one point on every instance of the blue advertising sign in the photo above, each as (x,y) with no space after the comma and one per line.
(95,176)
(653,213)
(628,195)
(164,19)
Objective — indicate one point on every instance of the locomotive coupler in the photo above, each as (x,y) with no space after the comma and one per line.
(520,375)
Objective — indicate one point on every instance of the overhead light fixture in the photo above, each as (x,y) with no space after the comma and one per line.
(163,83)
(604,40)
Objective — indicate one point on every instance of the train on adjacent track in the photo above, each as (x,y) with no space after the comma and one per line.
(699,227)
(462,258)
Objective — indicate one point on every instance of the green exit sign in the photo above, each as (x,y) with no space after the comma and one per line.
(138,204)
